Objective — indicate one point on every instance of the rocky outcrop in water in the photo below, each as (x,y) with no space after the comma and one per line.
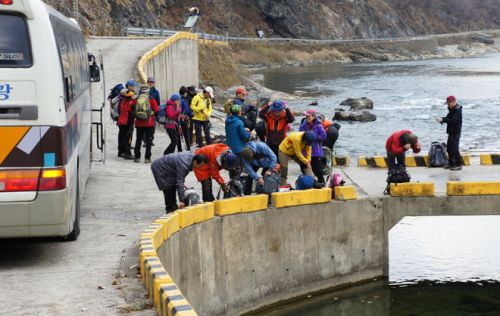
(357,104)
(357,116)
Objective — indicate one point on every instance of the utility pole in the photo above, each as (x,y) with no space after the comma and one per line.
(75,9)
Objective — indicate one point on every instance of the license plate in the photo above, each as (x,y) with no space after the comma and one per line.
(2,186)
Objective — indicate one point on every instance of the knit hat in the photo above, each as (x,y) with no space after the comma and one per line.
(131,83)
(309,137)
(175,97)
(247,154)
(236,109)
(277,106)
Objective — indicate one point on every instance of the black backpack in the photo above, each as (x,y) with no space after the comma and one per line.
(397,174)
(437,155)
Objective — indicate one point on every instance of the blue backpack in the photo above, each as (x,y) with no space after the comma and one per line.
(304,183)
(115,91)
(162,114)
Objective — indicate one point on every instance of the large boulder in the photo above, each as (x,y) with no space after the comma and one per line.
(357,104)
(356,116)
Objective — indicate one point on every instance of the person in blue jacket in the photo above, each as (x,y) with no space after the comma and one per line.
(236,135)
(257,155)
(186,115)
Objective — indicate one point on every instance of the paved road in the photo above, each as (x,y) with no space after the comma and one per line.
(48,277)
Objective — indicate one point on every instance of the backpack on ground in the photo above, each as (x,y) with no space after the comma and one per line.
(335,180)
(304,182)
(191,197)
(235,189)
(143,107)
(397,174)
(271,184)
(437,155)
(162,114)
(327,161)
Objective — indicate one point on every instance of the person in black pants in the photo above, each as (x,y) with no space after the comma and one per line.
(454,130)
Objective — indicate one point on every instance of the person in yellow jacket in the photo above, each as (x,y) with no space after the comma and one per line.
(201,105)
(293,147)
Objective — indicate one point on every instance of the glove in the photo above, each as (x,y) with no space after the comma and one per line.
(224,187)
(439,119)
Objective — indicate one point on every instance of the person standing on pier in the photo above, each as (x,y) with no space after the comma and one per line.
(454,130)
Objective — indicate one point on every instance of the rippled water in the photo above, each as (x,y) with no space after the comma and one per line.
(438,265)
(407,95)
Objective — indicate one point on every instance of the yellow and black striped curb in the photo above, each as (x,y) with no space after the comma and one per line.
(490,159)
(341,161)
(412,189)
(411,161)
(166,296)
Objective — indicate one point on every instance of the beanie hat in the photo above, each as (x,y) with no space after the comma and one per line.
(131,83)
(175,97)
(310,137)
(247,154)
(236,109)
(277,106)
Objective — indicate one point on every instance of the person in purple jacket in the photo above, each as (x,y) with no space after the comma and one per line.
(312,123)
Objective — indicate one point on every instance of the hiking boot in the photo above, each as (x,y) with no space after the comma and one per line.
(120,155)
(128,157)
(147,161)
(446,166)
(456,168)
(137,160)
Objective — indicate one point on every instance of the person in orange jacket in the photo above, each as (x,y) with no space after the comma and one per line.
(219,157)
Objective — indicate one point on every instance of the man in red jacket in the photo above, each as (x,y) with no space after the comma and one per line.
(145,109)
(397,144)
(219,157)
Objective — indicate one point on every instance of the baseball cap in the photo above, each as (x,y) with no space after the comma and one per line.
(311,112)
(175,97)
(451,99)
(230,161)
(210,91)
(131,83)
(241,90)
(151,79)
(310,137)
(277,106)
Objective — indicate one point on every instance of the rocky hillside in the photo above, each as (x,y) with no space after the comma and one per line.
(323,19)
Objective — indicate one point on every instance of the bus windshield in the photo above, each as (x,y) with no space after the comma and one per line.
(14,41)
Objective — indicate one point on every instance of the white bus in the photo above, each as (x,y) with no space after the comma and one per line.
(45,121)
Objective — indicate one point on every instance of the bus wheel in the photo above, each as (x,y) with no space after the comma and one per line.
(76,225)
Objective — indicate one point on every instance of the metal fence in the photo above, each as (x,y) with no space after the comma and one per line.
(164,32)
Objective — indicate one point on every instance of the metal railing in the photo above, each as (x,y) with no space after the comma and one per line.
(206,36)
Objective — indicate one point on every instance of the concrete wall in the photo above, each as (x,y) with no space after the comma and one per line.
(173,63)
(233,264)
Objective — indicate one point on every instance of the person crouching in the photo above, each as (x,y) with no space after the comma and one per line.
(397,144)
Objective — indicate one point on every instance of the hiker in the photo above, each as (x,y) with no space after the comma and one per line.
(292,147)
(201,105)
(241,93)
(397,144)
(331,130)
(256,155)
(219,157)
(191,94)
(145,109)
(185,117)
(154,94)
(277,117)
(250,113)
(170,172)
(236,135)
(311,123)
(454,130)
(173,112)
(125,123)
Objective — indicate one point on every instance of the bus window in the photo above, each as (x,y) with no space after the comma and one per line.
(14,42)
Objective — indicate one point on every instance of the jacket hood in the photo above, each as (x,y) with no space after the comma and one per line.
(231,119)
(252,146)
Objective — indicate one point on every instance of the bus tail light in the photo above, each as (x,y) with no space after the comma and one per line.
(19,180)
(52,179)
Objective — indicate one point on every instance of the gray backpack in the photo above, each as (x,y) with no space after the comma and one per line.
(271,184)
(437,155)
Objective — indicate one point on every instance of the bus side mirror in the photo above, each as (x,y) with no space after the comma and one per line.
(95,73)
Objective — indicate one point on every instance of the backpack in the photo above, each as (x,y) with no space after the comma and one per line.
(336,180)
(191,197)
(162,114)
(437,155)
(143,107)
(235,189)
(327,161)
(304,182)
(115,91)
(271,184)
(397,174)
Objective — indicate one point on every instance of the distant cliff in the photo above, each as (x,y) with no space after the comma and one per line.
(324,19)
